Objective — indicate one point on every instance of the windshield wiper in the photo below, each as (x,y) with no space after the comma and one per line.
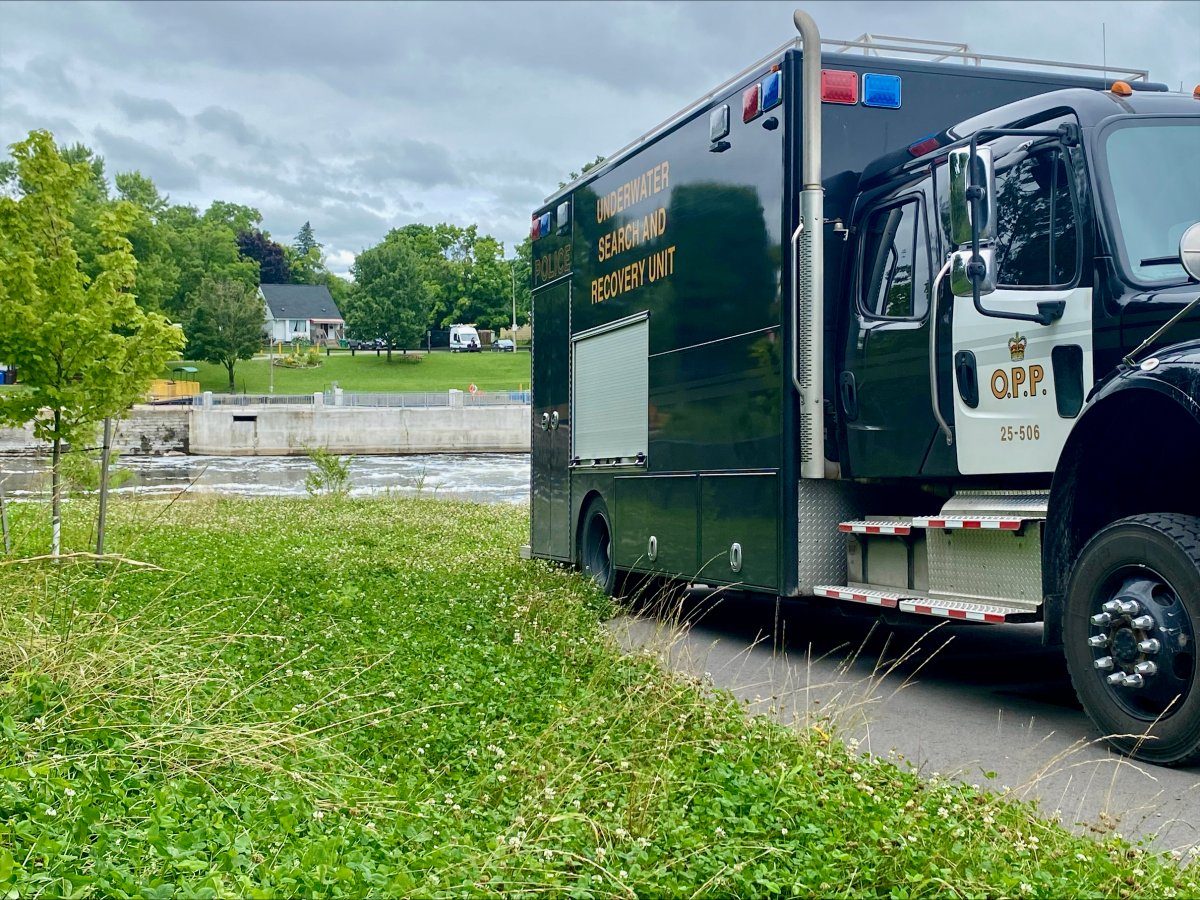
(1161,261)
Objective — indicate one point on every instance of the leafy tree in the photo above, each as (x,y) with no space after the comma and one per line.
(226,324)
(141,192)
(234,216)
(391,299)
(522,265)
(83,346)
(158,272)
(201,246)
(90,201)
(465,273)
(341,289)
(272,261)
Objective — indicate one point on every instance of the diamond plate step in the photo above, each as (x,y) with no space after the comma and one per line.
(898,528)
(906,601)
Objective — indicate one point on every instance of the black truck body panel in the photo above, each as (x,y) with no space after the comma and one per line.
(695,232)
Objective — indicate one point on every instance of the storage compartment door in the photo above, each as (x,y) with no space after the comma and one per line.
(610,394)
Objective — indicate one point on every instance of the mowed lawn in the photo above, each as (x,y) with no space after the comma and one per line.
(365,371)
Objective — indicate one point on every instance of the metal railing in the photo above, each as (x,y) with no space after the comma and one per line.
(425,400)
(921,49)
(254,400)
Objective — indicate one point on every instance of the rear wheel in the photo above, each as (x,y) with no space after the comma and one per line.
(595,546)
(1131,618)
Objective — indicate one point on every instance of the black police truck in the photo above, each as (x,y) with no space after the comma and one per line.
(916,335)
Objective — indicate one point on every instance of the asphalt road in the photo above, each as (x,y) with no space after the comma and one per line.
(960,700)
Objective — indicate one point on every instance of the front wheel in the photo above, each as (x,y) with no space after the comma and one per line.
(595,546)
(1131,616)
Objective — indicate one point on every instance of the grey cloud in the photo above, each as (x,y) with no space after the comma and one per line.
(226,122)
(147,109)
(48,77)
(312,187)
(123,154)
(415,162)
(16,121)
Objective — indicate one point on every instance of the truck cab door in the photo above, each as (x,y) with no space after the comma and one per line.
(883,383)
(1018,385)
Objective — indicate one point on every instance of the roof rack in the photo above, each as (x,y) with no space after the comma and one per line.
(950,51)
(869,44)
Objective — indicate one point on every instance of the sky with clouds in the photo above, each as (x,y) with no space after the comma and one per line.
(362,117)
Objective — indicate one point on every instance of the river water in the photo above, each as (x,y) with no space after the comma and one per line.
(483,477)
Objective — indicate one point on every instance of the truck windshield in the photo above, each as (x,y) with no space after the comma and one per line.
(1153,170)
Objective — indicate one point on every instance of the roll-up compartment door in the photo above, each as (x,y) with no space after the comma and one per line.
(610,393)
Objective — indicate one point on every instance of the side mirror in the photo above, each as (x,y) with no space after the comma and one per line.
(984,178)
(1189,251)
(960,272)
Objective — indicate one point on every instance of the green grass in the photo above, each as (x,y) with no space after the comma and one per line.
(367,372)
(379,698)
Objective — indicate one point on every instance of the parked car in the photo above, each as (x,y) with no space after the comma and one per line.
(504,345)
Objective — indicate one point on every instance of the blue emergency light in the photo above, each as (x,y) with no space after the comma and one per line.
(771,93)
(881,90)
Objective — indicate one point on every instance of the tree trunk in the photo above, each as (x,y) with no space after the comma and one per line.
(229,366)
(56,492)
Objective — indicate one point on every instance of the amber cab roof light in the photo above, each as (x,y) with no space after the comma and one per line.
(1121,88)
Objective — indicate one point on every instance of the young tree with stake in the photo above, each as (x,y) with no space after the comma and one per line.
(84,348)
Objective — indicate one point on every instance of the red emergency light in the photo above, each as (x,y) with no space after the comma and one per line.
(838,86)
(751,103)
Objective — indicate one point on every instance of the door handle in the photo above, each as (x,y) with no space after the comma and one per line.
(849,391)
(967,377)
(554,420)
(545,421)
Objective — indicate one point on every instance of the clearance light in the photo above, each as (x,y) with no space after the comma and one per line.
(924,145)
(1196,92)
(839,87)
(772,93)
(881,90)
(751,103)
(1121,89)
(718,123)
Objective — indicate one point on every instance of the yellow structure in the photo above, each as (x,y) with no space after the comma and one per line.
(185,385)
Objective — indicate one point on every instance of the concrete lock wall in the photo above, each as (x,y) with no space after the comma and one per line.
(283,430)
(291,430)
(145,431)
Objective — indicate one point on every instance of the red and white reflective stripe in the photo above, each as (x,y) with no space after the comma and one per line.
(876,598)
(874,528)
(951,612)
(983,522)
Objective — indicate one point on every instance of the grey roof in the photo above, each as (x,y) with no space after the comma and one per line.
(300,301)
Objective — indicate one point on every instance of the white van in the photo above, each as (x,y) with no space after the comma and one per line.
(464,338)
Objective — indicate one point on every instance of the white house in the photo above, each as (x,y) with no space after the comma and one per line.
(301,311)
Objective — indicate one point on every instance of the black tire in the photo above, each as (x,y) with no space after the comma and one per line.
(595,546)
(1153,561)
